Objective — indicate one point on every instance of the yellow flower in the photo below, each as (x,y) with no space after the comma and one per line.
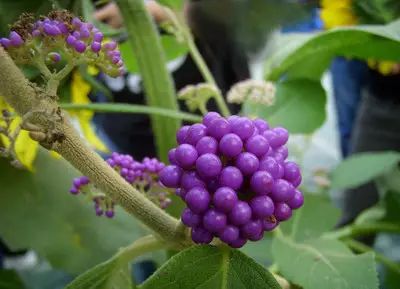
(79,94)
(26,149)
(336,13)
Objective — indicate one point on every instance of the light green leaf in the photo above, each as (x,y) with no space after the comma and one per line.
(208,267)
(308,56)
(307,222)
(362,168)
(299,106)
(322,263)
(37,212)
(175,4)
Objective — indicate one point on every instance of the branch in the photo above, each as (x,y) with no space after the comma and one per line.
(26,99)
(355,230)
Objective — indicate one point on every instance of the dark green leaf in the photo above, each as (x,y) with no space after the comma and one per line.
(207,267)
(392,207)
(299,106)
(37,212)
(9,279)
(362,168)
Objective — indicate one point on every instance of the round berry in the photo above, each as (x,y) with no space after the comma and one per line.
(209,117)
(257,145)
(282,135)
(231,145)
(171,156)
(190,219)
(190,180)
(281,153)
(214,221)
(201,235)
(297,182)
(198,199)
(231,177)
(292,171)
(233,118)
(282,212)
(261,125)
(208,166)
(247,163)
(270,165)
(229,234)
(240,213)
(195,133)
(212,185)
(261,182)
(252,230)
(186,156)
(297,200)
(181,134)
(282,191)
(218,128)
(225,199)
(269,225)
(238,243)
(170,176)
(262,206)
(243,127)
(207,145)
(272,138)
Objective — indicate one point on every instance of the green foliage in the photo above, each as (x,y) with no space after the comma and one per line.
(377,11)
(175,4)
(206,267)
(300,106)
(110,274)
(39,213)
(9,279)
(307,259)
(309,55)
(362,168)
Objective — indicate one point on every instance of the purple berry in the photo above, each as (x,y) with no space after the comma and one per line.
(282,135)
(98,37)
(110,45)
(84,33)
(261,182)
(190,219)
(261,125)
(207,145)
(238,243)
(76,22)
(110,214)
(71,40)
(218,128)
(247,163)
(51,30)
(171,156)
(170,176)
(297,182)
(190,180)
(252,230)
(209,117)
(74,191)
(270,165)
(240,213)
(225,199)
(186,156)
(208,166)
(54,56)
(15,39)
(233,118)
(243,127)
(269,225)
(214,221)
(201,235)
(5,42)
(282,191)
(195,133)
(231,177)
(231,145)
(262,206)
(292,171)
(272,138)
(198,200)
(181,134)
(95,46)
(80,46)
(281,153)
(257,145)
(229,234)
(282,212)
(297,200)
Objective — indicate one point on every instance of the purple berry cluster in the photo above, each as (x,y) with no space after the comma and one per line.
(61,34)
(234,178)
(142,175)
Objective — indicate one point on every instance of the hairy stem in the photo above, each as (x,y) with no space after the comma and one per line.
(355,230)
(361,248)
(25,99)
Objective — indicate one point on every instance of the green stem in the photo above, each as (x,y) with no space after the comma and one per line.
(356,230)
(160,92)
(130,108)
(361,248)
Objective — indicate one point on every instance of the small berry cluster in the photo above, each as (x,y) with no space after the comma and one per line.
(59,35)
(234,178)
(142,175)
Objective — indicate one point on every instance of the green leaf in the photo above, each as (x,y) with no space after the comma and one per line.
(307,222)
(299,106)
(320,263)
(308,56)
(175,4)
(208,267)
(363,167)
(107,275)
(9,279)
(37,212)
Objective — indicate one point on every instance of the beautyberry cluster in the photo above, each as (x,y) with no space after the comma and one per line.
(58,36)
(142,175)
(234,178)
